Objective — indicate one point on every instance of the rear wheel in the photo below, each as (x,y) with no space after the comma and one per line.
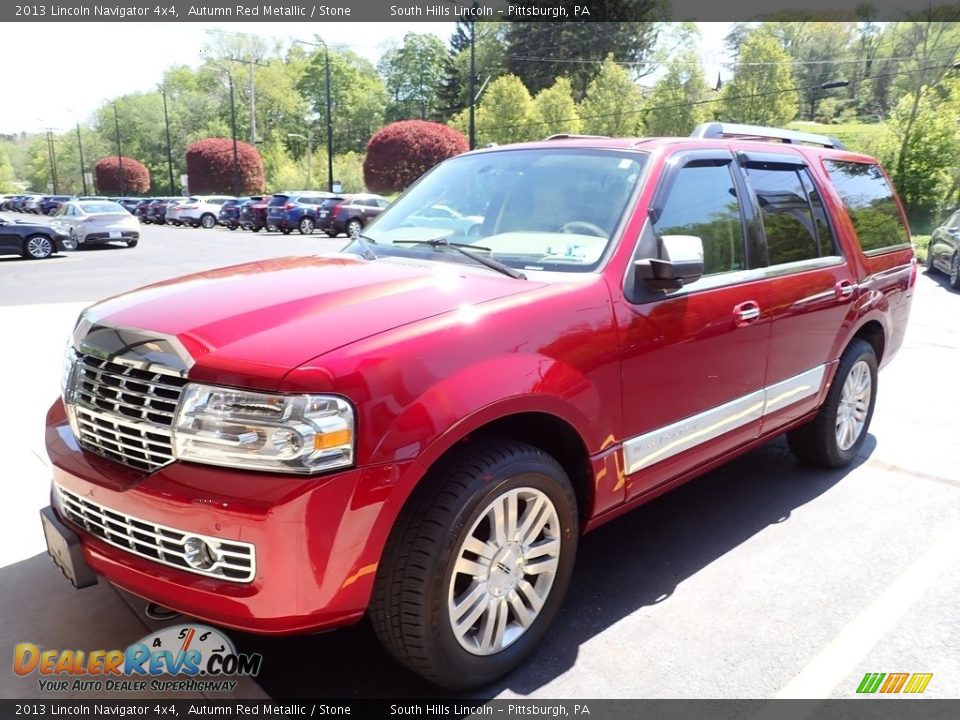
(354,227)
(38,247)
(477,565)
(255,228)
(306,226)
(834,437)
(331,233)
(208,221)
(286,231)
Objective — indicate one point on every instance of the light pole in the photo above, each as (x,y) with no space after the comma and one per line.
(53,162)
(166,122)
(473,71)
(116,124)
(233,129)
(83,173)
(326,53)
(309,139)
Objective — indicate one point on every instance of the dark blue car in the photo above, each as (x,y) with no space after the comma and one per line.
(51,203)
(289,211)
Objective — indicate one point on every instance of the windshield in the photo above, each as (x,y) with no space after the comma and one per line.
(531,209)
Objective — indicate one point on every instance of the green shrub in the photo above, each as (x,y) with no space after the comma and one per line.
(920,245)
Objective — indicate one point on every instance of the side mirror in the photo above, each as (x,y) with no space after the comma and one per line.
(679,260)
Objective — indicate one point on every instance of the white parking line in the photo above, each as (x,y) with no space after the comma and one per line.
(839,658)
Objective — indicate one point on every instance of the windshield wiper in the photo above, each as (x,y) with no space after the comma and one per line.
(365,242)
(462,249)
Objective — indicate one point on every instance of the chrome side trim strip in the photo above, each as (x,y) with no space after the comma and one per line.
(657,445)
(791,390)
(663,443)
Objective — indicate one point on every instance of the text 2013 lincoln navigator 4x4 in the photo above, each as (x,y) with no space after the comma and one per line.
(420,427)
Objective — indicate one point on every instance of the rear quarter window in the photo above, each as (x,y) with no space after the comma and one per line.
(869,201)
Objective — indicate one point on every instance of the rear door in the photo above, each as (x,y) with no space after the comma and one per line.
(693,359)
(812,286)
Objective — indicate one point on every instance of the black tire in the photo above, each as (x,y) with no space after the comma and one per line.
(306,226)
(354,227)
(331,233)
(955,271)
(231,227)
(816,442)
(207,221)
(413,593)
(255,228)
(38,247)
(286,231)
(132,243)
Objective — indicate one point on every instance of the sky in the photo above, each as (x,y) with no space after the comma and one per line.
(77,69)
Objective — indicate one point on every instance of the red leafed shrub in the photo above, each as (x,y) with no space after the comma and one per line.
(403,151)
(136,177)
(210,167)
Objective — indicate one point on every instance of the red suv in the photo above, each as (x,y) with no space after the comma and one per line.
(419,428)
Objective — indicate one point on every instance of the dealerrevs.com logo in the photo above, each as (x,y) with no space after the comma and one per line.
(184,658)
(894,683)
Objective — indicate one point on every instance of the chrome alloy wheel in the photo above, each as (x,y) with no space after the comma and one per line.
(504,571)
(854,405)
(39,247)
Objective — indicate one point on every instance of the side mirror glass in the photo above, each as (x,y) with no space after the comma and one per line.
(679,260)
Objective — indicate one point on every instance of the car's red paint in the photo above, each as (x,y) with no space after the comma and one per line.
(429,355)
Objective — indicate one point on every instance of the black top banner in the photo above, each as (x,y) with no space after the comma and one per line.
(475,10)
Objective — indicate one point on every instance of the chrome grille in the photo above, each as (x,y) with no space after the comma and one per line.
(235,561)
(125,413)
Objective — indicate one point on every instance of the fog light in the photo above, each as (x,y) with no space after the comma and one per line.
(199,554)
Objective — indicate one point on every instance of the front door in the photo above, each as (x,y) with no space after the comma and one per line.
(694,359)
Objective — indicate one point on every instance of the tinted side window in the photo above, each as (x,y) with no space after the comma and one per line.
(703,202)
(827,243)
(868,199)
(787,218)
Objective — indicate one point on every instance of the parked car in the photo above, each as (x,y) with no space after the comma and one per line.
(31,204)
(32,241)
(51,203)
(140,211)
(253,213)
(96,222)
(229,215)
(419,428)
(943,253)
(296,210)
(6,201)
(18,202)
(202,210)
(351,215)
(157,210)
(130,203)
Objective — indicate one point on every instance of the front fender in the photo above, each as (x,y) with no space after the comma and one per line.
(496,387)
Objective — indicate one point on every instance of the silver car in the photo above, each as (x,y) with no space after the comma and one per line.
(95,222)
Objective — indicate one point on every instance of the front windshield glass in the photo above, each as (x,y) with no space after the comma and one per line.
(533,209)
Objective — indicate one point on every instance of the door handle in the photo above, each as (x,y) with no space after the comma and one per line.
(844,289)
(746,312)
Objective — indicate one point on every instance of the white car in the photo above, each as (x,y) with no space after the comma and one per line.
(95,222)
(201,210)
(32,204)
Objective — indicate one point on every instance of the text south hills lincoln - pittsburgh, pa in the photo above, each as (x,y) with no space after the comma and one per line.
(479,10)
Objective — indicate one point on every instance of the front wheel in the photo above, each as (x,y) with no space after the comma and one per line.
(477,566)
(208,221)
(306,226)
(354,227)
(834,437)
(38,247)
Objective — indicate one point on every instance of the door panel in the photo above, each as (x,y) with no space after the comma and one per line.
(693,360)
(9,241)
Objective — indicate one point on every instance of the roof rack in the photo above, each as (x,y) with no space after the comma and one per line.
(573,136)
(759,132)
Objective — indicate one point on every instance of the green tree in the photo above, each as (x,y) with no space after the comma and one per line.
(453,93)
(613,102)
(762,91)
(7,178)
(506,113)
(676,104)
(413,73)
(556,110)
(357,94)
(540,52)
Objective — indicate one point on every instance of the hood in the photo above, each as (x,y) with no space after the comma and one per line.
(251,324)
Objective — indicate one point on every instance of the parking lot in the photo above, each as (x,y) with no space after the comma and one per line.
(761,579)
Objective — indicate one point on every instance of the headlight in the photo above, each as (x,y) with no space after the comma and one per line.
(68,382)
(258,431)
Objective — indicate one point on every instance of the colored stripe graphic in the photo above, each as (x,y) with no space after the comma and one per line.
(914,683)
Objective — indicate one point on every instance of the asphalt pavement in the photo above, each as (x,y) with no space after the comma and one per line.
(761,579)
